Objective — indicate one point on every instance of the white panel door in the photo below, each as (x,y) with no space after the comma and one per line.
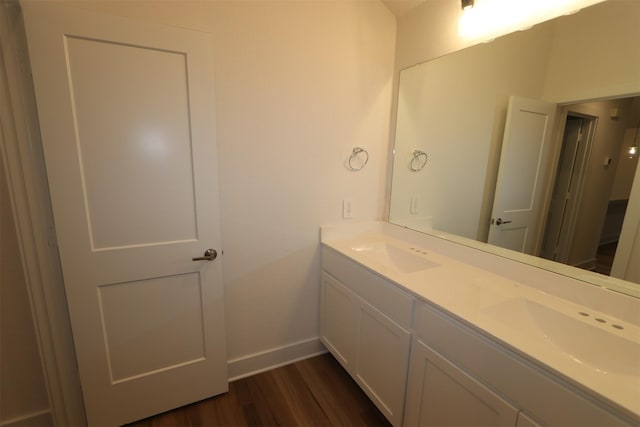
(524,165)
(126,116)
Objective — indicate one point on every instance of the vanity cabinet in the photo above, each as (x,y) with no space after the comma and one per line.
(368,344)
(459,377)
(423,365)
(364,335)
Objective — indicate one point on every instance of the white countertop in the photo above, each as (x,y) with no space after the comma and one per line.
(484,298)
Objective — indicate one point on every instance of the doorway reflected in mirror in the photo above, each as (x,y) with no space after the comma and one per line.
(460,122)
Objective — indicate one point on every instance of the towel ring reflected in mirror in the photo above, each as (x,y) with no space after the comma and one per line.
(418,161)
(356,162)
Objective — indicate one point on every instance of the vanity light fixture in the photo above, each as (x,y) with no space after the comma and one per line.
(488,19)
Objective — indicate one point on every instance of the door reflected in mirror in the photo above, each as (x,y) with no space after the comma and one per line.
(567,169)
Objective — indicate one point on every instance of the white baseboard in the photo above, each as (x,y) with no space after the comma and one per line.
(40,418)
(252,364)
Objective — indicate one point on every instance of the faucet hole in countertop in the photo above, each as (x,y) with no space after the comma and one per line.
(601,320)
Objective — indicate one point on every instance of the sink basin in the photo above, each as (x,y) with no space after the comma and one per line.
(590,340)
(409,260)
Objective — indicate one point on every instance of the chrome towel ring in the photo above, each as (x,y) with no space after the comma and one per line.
(356,162)
(418,161)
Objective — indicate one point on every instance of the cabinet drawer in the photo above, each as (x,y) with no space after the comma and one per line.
(527,386)
(384,296)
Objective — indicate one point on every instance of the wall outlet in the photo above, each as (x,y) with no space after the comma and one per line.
(347,208)
(414,205)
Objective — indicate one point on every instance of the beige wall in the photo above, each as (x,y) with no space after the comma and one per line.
(23,394)
(627,165)
(427,32)
(298,85)
(583,66)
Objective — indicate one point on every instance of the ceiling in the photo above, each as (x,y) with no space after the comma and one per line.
(400,7)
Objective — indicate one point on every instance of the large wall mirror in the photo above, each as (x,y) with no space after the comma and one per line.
(520,146)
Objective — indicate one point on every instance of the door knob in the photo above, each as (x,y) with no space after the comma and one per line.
(209,255)
(500,221)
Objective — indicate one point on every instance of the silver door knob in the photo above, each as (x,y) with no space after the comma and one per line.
(500,221)
(209,255)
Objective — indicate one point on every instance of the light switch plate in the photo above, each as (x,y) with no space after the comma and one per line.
(347,208)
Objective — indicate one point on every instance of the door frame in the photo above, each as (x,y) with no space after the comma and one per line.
(562,250)
(630,230)
(29,194)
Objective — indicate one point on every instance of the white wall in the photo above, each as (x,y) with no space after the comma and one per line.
(427,32)
(298,85)
(584,66)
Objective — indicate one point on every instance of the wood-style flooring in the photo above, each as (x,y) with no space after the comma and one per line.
(604,258)
(312,392)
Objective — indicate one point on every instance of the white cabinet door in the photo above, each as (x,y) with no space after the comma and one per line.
(339,321)
(368,344)
(383,359)
(439,394)
(126,116)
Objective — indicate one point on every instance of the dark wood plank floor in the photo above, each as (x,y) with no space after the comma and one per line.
(604,258)
(313,392)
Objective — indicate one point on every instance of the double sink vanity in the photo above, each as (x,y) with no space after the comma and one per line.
(437,333)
